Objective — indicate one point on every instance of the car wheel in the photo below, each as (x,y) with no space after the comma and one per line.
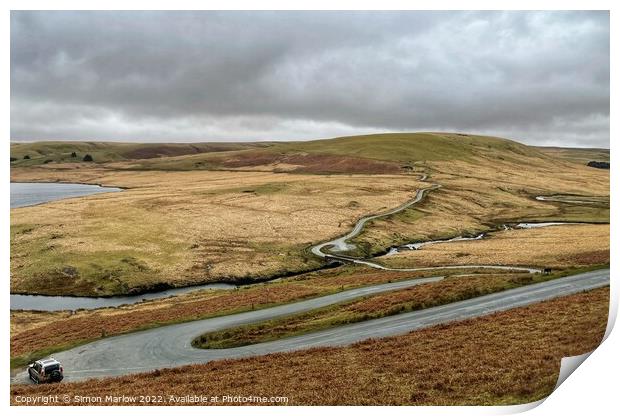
(55,376)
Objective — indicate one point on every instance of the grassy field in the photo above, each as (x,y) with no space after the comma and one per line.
(576,155)
(510,357)
(181,228)
(482,195)
(556,247)
(182,220)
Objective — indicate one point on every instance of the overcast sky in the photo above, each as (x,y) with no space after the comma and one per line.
(540,78)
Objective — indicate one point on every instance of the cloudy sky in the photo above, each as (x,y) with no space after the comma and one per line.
(541,78)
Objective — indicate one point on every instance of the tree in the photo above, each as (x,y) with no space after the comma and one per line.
(73,154)
(88,158)
(26,157)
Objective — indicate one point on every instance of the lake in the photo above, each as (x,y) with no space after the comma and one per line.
(27,194)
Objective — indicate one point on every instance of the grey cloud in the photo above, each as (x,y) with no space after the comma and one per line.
(540,77)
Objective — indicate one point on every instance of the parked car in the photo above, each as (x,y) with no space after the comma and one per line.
(48,370)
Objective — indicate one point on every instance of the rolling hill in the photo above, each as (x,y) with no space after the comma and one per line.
(37,153)
(377,153)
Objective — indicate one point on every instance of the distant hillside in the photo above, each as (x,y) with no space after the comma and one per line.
(28,154)
(577,155)
(377,153)
(404,147)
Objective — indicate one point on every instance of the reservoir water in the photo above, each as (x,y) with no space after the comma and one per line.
(26,194)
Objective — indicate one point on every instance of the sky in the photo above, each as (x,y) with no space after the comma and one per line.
(541,78)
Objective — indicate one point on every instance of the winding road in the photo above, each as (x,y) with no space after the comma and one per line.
(170,346)
(342,244)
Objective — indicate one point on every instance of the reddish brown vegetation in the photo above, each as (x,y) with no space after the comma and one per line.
(588,257)
(509,357)
(164,150)
(88,325)
(311,163)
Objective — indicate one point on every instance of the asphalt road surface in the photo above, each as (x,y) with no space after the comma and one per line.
(170,346)
(342,244)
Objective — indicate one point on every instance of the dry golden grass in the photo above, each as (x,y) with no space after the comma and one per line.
(183,228)
(478,195)
(555,247)
(507,358)
(179,228)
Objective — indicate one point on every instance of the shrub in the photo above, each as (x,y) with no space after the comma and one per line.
(88,158)
(598,165)
(26,157)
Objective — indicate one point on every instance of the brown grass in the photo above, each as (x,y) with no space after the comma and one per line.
(479,195)
(507,358)
(183,228)
(556,247)
(189,227)
(307,163)
(318,164)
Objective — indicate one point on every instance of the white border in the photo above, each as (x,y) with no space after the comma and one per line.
(593,386)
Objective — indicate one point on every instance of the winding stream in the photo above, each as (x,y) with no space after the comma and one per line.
(341,244)
(61,303)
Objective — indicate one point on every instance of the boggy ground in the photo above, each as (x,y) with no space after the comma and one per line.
(182,228)
(182,220)
(510,357)
(555,247)
(481,195)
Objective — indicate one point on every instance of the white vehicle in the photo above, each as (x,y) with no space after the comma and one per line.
(48,370)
